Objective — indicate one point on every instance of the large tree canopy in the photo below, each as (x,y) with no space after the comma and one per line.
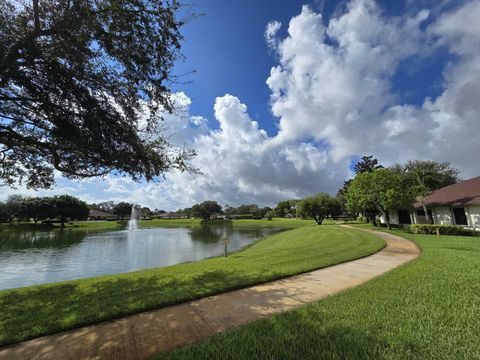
(367,164)
(83,85)
(383,189)
(206,209)
(319,207)
(424,176)
(122,209)
(429,175)
(69,207)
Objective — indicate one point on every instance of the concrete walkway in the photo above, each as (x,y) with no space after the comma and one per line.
(143,335)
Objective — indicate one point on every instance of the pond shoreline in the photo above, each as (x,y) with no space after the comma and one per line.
(37,257)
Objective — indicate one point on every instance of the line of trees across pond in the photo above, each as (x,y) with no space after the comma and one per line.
(61,208)
(211,209)
(317,207)
(375,190)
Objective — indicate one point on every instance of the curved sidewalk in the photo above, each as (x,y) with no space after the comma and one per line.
(142,335)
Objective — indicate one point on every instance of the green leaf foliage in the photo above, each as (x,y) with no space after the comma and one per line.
(83,86)
(383,189)
(319,207)
(206,209)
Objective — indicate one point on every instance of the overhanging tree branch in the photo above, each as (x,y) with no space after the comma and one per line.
(75,90)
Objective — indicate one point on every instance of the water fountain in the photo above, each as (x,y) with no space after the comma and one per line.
(133,222)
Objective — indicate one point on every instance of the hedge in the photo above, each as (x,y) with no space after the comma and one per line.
(431,229)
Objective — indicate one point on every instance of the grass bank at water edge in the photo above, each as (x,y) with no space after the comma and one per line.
(39,310)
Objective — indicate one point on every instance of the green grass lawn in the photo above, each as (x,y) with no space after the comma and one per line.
(426,309)
(40,310)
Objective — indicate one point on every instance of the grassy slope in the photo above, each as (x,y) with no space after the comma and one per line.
(39,310)
(427,309)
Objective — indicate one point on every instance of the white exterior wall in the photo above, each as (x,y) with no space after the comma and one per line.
(418,219)
(393,214)
(442,215)
(473,216)
(382,219)
(394,217)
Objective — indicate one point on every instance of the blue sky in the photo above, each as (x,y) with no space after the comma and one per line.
(227,50)
(287,116)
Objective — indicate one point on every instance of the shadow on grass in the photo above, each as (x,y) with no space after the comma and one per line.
(35,311)
(293,335)
(32,312)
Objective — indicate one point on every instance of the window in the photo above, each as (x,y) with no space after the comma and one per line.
(404,217)
(421,212)
(460,216)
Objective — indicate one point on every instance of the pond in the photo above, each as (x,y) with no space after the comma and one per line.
(39,257)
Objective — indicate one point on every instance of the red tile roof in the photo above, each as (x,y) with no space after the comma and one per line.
(463,193)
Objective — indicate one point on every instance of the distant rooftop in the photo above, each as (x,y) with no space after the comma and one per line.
(98,213)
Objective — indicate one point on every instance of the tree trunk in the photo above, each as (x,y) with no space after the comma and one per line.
(387,219)
(427,217)
(62,222)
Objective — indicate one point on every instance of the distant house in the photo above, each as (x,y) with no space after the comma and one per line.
(172,215)
(234,216)
(457,204)
(101,215)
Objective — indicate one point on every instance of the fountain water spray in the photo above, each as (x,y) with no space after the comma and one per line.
(133,222)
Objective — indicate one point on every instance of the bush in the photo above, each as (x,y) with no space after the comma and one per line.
(394,226)
(269,215)
(241,217)
(431,229)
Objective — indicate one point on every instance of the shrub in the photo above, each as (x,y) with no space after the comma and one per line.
(269,215)
(394,226)
(431,229)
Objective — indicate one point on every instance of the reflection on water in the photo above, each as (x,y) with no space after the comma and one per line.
(37,257)
(25,239)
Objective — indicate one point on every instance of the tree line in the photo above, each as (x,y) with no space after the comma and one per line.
(375,190)
(62,208)
(59,207)
(317,207)
(123,209)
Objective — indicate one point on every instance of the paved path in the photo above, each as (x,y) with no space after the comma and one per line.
(143,335)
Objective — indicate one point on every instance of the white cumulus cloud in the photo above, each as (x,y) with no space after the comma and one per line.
(270,34)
